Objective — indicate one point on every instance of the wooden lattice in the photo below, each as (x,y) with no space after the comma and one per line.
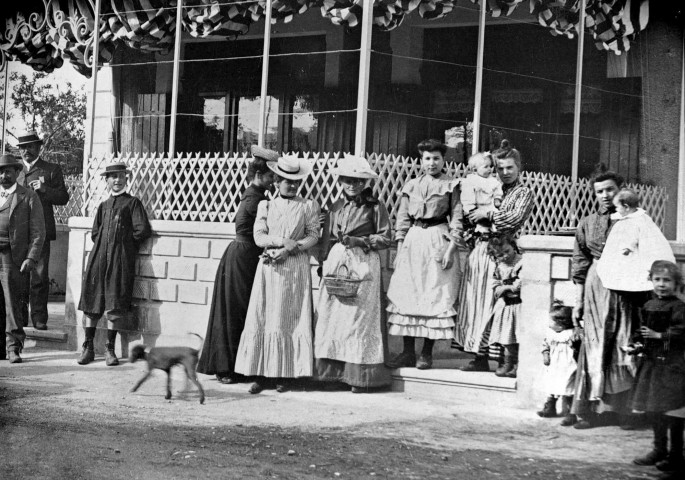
(207,188)
(73,208)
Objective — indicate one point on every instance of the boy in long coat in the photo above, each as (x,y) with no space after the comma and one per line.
(120,226)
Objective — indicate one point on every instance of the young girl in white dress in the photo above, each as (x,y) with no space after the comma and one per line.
(559,352)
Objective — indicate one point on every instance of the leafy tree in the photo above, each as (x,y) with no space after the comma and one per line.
(57,113)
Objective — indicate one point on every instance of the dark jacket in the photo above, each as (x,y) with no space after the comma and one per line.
(27,227)
(120,226)
(56,192)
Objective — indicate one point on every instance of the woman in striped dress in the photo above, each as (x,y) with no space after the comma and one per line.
(277,340)
(423,288)
(476,298)
(350,337)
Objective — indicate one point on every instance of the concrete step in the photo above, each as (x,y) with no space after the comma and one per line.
(446,381)
(54,339)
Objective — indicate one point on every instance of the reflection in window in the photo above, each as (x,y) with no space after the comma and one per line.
(305,124)
(248,123)
(213,112)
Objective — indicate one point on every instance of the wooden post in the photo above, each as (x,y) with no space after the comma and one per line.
(680,222)
(578,95)
(475,141)
(175,79)
(265,75)
(364,74)
(88,153)
(4,105)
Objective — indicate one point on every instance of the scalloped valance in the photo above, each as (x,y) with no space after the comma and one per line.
(45,35)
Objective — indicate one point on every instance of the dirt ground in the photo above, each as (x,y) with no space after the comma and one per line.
(61,420)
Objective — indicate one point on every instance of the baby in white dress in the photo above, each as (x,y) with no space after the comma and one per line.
(480,189)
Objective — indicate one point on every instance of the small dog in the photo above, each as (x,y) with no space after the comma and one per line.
(163,358)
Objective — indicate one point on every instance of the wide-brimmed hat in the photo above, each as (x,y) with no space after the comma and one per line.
(26,138)
(354,166)
(264,153)
(115,167)
(8,160)
(291,167)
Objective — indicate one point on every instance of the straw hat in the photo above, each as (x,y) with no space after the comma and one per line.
(115,167)
(8,160)
(26,138)
(264,153)
(291,167)
(355,167)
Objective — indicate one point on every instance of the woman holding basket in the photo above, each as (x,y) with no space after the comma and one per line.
(350,337)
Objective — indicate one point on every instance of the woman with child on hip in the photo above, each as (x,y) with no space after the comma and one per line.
(477,291)
(350,337)
(423,287)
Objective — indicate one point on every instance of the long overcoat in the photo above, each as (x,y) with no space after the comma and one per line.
(119,227)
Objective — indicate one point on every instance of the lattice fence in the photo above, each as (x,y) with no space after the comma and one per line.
(73,208)
(207,188)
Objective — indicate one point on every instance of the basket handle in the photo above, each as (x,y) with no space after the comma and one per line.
(342,267)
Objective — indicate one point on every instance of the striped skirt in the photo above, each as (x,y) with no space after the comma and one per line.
(476,299)
(277,339)
(504,323)
(421,293)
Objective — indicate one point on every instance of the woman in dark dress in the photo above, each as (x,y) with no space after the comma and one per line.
(235,276)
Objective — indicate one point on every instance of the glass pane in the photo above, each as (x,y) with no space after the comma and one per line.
(305,123)
(213,116)
(248,123)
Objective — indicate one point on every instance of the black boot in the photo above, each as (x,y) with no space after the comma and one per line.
(569,418)
(659,453)
(110,357)
(87,354)
(478,364)
(675,461)
(549,409)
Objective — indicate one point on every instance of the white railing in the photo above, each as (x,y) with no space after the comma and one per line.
(198,187)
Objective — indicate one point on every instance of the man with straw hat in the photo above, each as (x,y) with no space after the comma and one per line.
(22,232)
(47,181)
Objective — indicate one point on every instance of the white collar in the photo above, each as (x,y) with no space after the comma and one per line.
(120,192)
(29,165)
(637,213)
(10,190)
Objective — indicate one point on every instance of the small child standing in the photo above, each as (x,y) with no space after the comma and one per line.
(507,292)
(660,380)
(559,351)
(481,189)
(633,244)
(120,226)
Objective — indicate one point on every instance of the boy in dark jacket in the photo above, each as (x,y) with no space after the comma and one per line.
(120,226)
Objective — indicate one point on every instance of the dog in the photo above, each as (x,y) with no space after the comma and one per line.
(163,358)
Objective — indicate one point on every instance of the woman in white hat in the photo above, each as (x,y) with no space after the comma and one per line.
(350,337)
(276,342)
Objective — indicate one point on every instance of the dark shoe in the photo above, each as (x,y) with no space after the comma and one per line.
(282,387)
(651,458)
(478,364)
(507,370)
(256,388)
(569,420)
(549,409)
(226,379)
(671,464)
(404,359)
(110,357)
(628,422)
(40,326)
(13,356)
(358,390)
(87,354)
(424,362)
(584,425)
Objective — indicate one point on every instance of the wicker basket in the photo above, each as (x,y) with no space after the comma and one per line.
(342,284)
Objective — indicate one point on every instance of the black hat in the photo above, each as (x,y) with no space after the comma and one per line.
(26,138)
(8,160)
(115,168)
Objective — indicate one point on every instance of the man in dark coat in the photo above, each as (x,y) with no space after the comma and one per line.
(120,226)
(22,232)
(47,181)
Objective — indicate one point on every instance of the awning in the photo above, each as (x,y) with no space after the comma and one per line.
(63,29)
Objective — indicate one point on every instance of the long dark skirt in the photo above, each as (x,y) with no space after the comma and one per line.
(230,300)
(660,385)
(606,375)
